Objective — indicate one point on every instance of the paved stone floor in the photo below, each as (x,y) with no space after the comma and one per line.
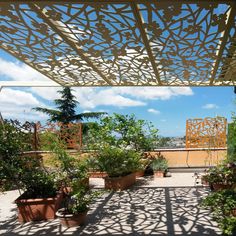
(168,206)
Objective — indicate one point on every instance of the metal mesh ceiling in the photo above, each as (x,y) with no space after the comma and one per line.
(124,43)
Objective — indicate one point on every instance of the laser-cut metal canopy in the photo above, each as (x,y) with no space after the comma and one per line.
(124,43)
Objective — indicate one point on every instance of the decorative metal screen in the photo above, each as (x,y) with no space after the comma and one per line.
(128,42)
(70,134)
(206,133)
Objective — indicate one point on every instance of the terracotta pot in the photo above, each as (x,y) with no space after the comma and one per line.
(97,174)
(158,174)
(38,209)
(234,212)
(71,220)
(139,173)
(119,183)
(218,186)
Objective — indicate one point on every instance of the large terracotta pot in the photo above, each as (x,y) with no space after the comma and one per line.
(119,183)
(158,174)
(219,186)
(97,174)
(71,220)
(38,209)
(139,173)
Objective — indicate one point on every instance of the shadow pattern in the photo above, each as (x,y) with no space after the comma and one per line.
(137,211)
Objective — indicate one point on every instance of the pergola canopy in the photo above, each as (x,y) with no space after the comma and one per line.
(124,43)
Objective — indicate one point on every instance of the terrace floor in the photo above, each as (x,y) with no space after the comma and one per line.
(168,206)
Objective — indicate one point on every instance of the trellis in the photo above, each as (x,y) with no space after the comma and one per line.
(206,133)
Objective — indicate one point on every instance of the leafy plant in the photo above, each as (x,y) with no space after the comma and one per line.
(223,174)
(123,131)
(231,140)
(94,164)
(79,199)
(39,184)
(68,167)
(118,162)
(222,204)
(159,164)
(19,171)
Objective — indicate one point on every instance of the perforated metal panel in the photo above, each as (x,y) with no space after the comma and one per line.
(124,43)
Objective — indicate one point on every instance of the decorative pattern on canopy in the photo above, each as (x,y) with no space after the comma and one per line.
(124,43)
(206,133)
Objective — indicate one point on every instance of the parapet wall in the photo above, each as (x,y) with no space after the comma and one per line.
(193,157)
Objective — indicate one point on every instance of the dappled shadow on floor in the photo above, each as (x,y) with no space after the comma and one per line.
(138,211)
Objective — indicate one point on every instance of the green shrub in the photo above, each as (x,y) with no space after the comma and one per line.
(159,164)
(122,131)
(117,162)
(222,203)
(94,164)
(224,174)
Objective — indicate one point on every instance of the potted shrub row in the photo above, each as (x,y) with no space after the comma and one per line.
(120,166)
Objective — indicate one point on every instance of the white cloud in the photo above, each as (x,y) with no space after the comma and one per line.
(155,93)
(17,97)
(18,104)
(154,111)
(210,106)
(20,72)
(90,98)
(46,93)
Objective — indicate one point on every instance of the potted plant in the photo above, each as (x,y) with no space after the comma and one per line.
(220,177)
(95,169)
(69,166)
(76,206)
(159,166)
(223,205)
(40,198)
(141,168)
(120,166)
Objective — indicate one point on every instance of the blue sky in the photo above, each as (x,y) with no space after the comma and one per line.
(168,108)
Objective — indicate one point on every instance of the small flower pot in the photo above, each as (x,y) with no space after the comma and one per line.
(159,174)
(71,220)
(219,186)
(97,174)
(119,183)
(139,173)
(38,209)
